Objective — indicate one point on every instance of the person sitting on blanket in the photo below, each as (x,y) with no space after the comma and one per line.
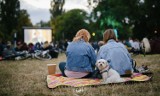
(81,57)
(115,53)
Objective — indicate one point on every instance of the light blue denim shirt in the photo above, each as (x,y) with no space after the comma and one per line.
(81,57)
(117,56)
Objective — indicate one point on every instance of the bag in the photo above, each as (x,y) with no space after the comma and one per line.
(54,53)
(96,74)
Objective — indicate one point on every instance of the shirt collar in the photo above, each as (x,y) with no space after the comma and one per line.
(111,40)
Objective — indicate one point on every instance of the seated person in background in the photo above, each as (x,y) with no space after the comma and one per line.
(37,46)
(115,54)
(136,46)
(8,51)
(21,46)
(46,46)
(31,47)
(81,57)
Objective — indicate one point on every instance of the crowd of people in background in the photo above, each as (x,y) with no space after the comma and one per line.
(8,48)
(136,46)
(133,45)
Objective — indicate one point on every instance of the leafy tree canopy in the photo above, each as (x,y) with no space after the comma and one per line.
(137,18)
(69,23)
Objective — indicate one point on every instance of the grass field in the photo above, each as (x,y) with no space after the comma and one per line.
(28,78)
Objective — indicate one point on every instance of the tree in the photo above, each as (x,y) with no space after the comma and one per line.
(23,21)
(43,24)
(69,23)
(9,13)
(56,10)
(114,14)
(148,21)
(136,18)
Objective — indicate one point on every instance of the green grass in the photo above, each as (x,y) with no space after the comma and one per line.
(28,78)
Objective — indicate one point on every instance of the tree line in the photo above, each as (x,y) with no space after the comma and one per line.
(131,18)
(12,19)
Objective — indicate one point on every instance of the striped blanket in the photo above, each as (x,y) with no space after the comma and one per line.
(57,80)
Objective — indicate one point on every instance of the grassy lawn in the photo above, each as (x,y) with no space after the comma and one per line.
(28,78)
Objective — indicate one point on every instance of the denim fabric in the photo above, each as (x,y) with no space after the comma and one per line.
(93,74)
(62,68)
(81,57)
(117,56)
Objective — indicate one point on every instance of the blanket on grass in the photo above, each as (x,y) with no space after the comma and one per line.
(57,80)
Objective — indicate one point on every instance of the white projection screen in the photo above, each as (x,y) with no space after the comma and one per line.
(34,35)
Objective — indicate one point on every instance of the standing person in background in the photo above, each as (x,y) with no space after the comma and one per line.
(81,57)
(146,45)
(115,54)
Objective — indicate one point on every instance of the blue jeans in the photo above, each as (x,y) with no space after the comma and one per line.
(62,68)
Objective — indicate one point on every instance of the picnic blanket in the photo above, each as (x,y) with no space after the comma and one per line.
(57,80)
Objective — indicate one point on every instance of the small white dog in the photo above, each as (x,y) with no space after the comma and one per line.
(108,74)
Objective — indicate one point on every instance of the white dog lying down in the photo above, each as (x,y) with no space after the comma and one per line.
(108,74)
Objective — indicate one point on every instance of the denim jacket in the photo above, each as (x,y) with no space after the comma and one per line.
(117,56)
(81,57)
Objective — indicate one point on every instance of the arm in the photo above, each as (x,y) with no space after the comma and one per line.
(92,56)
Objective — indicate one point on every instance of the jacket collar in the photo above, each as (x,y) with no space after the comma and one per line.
(111,40)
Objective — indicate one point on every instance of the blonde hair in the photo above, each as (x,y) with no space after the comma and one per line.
(109,34)
(82,34)
(46,44)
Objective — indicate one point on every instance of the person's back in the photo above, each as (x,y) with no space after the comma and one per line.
(115,53)
(78,56)
(117,56)
(81,57)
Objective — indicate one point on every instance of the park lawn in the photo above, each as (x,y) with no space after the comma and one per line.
(28,78)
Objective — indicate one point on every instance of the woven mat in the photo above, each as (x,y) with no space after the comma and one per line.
(57,80)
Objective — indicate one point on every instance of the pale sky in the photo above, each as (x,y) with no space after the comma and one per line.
(39,9)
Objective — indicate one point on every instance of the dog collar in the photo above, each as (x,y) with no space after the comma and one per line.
(105,70)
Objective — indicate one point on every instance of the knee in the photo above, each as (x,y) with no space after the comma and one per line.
(62,64)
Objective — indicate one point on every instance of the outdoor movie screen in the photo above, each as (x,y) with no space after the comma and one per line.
(32,35)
